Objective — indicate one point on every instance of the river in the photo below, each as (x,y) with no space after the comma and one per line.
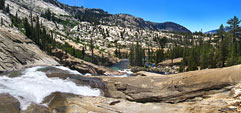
(32,85)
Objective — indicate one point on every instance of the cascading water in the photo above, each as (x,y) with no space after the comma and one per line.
(33,86)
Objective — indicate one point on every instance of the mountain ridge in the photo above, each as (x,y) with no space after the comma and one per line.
(99,16)
(215,31)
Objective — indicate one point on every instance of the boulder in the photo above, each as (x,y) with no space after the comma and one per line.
(9,104)
(34,108)
(172,88)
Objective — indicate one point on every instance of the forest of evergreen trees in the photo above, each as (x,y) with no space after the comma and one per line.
(45,40)
(226,50)
(34,30)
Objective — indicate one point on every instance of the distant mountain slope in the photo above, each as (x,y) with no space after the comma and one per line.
(170,26)
(215,31)
(99,16)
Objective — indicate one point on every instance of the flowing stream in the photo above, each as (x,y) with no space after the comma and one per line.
(122,66)
(34,85)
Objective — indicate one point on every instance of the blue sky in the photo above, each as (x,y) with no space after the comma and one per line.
(193,14)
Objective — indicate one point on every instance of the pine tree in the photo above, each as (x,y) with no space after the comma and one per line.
(149,54)
(2,4)
(204,58)
(192,63)
(234,26)
(211,59)
(182,66)
(78,29)
(2,21)
(138,59)
(132,55)
(7,9)
(27,27)
(159,56)
(136,55)
(119,52)
(116,52)
(37,31)
(92,49)
(221,53)
(83,52)
(235,29)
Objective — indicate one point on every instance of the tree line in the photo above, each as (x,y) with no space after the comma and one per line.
(222,51)
(225,52)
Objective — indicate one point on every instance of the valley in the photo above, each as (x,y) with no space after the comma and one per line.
(57,58)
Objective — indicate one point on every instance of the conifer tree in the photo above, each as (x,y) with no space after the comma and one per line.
(149,54)
(132,54)
(234,26)
(27,27)
(2,21)
(221,53)
(138,59)
(204,58)
(37,31)
(92,49)
(182,66)
(192,63)
(136,55)
(7,9)
(235,29)
(159,55)
(83,52)
(2,4)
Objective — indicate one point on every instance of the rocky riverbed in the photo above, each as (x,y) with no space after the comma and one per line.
(45,89)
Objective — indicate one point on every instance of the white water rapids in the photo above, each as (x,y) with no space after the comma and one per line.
(33,86)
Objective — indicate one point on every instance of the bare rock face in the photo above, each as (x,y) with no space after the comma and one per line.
(144,73)
(9,104)
(172,88)
(17,52)
(69,103)
(34,108)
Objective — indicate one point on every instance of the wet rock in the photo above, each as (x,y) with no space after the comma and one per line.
(9,104)
(93,82)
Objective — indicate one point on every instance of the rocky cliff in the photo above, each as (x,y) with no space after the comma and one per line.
(17,51)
